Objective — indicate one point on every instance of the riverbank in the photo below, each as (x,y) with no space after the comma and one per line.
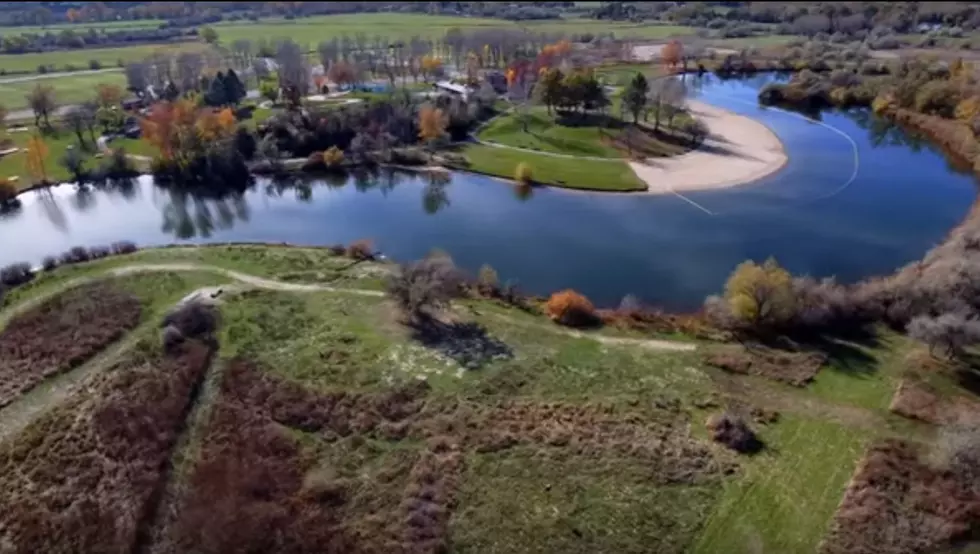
(738,150)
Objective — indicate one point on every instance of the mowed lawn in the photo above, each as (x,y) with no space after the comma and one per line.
(313,30)
(545,135)
(71,89)
(605,175)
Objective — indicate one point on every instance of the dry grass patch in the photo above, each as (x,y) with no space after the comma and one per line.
(795,368)
(61,334)
(83,477)
(897,504)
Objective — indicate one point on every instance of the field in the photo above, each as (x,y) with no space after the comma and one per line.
(612,175)
(324,423)
(402,26)
(83,27)
(67,90)
(71,60)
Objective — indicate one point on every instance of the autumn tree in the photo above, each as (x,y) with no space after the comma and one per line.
(549,88)
(431,66)
(215,125)
(342,73)
(108,95)
(760,295)
(672,54)
(432,125)
(37,155)
(41,101)
(571,308)
(172,128)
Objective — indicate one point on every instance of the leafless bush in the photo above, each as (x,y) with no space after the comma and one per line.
(426,285)
(951,331)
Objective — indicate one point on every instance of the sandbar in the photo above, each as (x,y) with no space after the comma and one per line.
(738,150)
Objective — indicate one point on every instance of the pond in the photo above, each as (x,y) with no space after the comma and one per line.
(817,216)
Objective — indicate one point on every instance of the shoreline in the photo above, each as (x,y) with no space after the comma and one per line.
(739,150)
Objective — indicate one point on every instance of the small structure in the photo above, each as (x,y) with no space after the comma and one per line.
(460,91)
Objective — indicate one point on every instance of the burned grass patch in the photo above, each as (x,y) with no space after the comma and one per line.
(61,334)
(466,343)
(897,503)
(794,368)
(84,476)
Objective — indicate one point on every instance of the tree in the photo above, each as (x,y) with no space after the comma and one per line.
(108,95)
(215,125)
(235,90)
(209,35)
(431,66)
(635,96)
(432,125)
(760,295)
(76,122)
(41,101)
(136,77)
(672,54)
(37,154)
(549,87)
(74,163)
(342,73)
(293,70)
(422,287)
(269,91)
(216,94)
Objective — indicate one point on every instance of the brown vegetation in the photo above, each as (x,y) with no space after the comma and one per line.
(61,334)
(794,368)
(83,477)
(733,432)
(896,504)
(572,309)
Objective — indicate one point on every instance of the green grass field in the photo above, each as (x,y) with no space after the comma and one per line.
(544,135)
(82,27)
(612,175)
(67,90)
(558,478)
(313,30)
(64,60)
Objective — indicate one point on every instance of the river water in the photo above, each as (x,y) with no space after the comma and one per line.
(817,215)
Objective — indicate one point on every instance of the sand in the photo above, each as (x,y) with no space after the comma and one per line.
(738,150)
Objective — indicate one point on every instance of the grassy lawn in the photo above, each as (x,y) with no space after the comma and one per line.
(79,59)
(788,494)
(83,27)
(15,164)
(545,135)
(612,175)
(73,89)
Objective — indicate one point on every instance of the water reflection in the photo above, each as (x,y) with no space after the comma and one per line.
(186,216)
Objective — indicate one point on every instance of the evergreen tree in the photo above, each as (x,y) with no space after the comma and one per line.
(235,90)
(216,93)
(171,92)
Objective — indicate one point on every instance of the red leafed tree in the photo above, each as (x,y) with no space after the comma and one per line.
(672,54)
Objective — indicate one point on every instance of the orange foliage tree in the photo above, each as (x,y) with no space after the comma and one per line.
(432,124)
(108,95)
(672,54)
(571,308)
(342,73)
(430,66)
(172,128)
(37,154)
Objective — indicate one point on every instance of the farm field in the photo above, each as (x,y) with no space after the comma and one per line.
(591,442)
(70,89)
(402,26)
(82,27)
(70,60)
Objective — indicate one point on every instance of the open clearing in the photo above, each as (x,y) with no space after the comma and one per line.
(324,424)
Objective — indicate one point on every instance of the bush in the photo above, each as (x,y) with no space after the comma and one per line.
(94,65)
(99,252)
(190,320)
(49,263)
(362,249)
(337,249)
(523,173)
(424,286)
(16,274)
(333,157)
(487,280)
(733,432)
(123,247)
(951,331)
(8,191)
(760,296)
(572,309)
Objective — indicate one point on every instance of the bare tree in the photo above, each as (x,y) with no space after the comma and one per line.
(137,77)
(329,52)
(41,101)
(242,51)
(190,65)
(294,71)
(952,331)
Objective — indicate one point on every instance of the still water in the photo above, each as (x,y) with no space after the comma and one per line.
(815,216)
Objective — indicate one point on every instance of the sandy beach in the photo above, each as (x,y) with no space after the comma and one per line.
(738,150)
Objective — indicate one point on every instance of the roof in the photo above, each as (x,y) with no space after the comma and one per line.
(459,89)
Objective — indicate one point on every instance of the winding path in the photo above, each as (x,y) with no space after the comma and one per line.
(17,415)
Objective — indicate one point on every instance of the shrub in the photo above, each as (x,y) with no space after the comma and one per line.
(99,252)
(190,320)
(630,303)
(49,263)
(123,247)
(424,286)
(523,173)
(487,280)
(951,331)
(16,274)
(333,157)
(362,249)
(8,191)
(760,296)
(958,450)
(94,64)
(571,308)
(337,249)
(733,432)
